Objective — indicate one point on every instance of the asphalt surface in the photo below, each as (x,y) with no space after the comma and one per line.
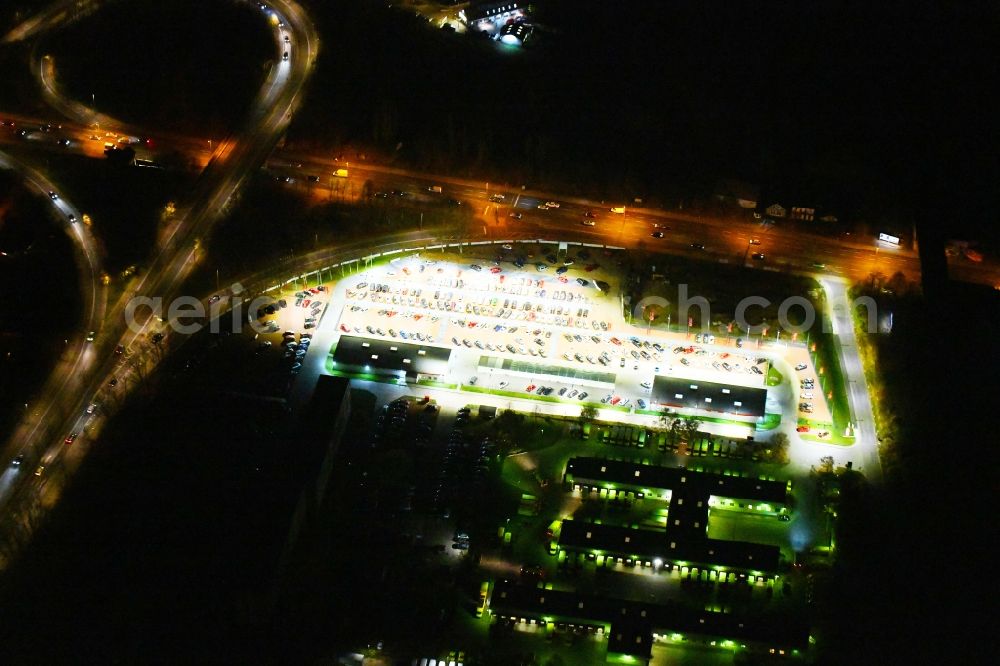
(79,356)
(72,389)
(836,261)
(725,239)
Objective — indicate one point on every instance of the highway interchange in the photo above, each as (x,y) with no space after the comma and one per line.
(231,164)
(87,368)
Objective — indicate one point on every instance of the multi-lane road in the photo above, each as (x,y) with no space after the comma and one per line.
(72,389)
(724,238)
(230,162)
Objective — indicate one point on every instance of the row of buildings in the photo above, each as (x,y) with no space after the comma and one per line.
(747,196)
(632,627)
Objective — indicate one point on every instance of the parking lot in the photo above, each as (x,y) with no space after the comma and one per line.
(517,328)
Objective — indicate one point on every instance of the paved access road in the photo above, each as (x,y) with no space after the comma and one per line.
(231,164)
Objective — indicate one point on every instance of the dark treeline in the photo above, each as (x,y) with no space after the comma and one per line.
(183,65)
(830,104)
(40,295)
(907,584)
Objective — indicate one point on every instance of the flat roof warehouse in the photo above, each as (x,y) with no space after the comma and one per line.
(696,394)
(392,356)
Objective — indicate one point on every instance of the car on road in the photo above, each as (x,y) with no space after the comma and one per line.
(589,223)
(757,256)
(71,437)
(114,382)
(284,56)
(784,517)
(516,216)
(697,246)
(801,366)
(551,204)
(53,195)
(754,241)
(71,217)
(18,459)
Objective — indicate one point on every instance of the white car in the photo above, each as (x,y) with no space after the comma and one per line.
(589,223)
(551,204)
(801,366)
(646,385)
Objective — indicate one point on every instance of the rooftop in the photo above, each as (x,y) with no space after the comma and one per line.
(697,394)
(392,355)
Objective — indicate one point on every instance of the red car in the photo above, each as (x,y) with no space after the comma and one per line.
(531,387)
(495,270)
(615,400)
(616,341)
(72,437)
(344,328)
(802,429)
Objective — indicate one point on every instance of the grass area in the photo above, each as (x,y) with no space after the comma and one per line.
(836,436)
(771,421)
(774,378)
(435,384)
(831,376)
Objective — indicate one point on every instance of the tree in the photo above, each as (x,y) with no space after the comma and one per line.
(666,416)
(689,427)
(779,448)
(588,414)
